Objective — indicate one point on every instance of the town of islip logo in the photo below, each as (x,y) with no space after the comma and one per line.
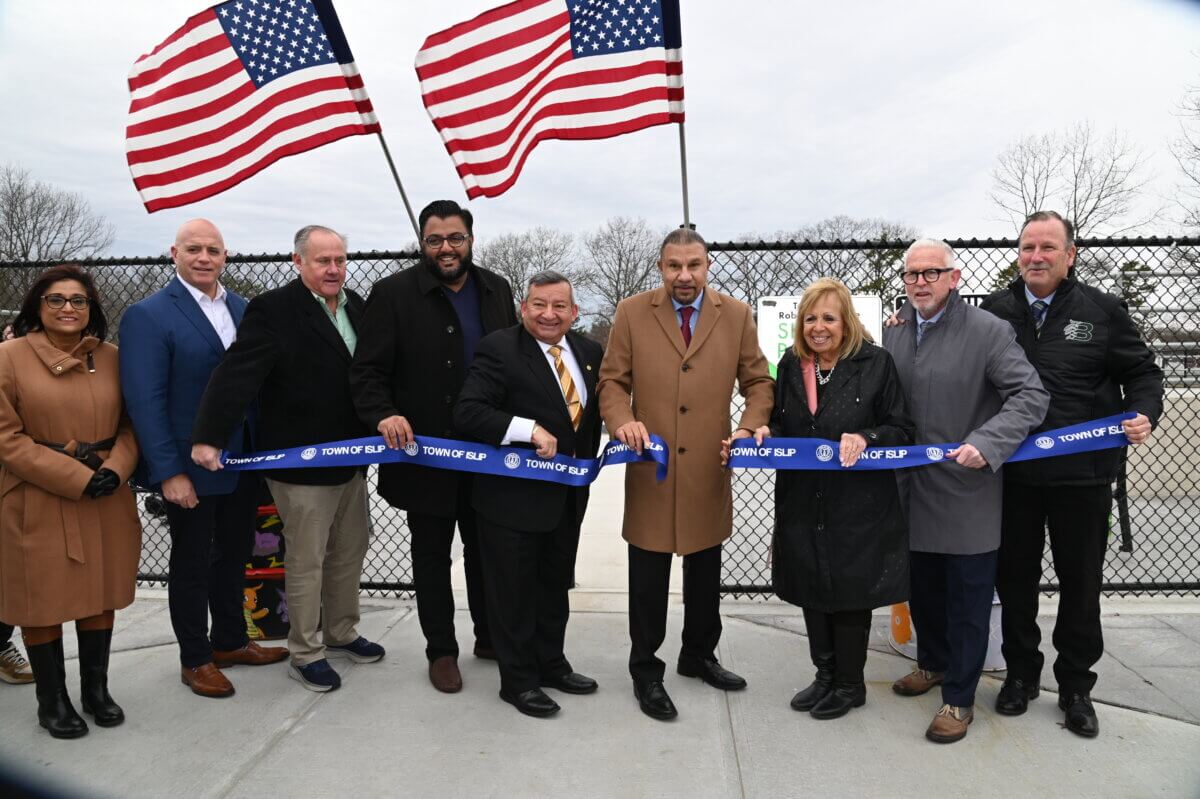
(308,453)
(824,453)
(512,460)
(934,453)
(411,449)
(1044,442)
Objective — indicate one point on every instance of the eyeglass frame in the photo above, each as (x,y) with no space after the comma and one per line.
(428,241)
(937,275)
(74,301)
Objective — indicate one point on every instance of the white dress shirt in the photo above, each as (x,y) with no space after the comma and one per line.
(215,310)
(520,428)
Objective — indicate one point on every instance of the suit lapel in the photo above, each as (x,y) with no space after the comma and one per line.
(319,321)
(710,313)
(190,310)
(664,312)
(588,369)
(543,373)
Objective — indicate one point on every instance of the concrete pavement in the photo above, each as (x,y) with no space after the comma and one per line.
(387,732)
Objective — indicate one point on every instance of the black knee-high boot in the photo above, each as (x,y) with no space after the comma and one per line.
(94,647)
(55,711)
(820,648)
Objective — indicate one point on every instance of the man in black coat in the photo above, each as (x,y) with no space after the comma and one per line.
(1092,360)
(419,333)
(293,353)
(533,384)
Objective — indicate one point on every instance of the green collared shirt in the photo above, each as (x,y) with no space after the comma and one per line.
(341,319)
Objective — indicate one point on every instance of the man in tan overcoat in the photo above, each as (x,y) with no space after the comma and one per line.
(673,356)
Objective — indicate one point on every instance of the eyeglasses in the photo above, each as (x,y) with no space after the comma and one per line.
(930,275)
(56,301)
(455,239)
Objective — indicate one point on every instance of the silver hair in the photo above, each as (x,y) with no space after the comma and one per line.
(300,242)
(933,244)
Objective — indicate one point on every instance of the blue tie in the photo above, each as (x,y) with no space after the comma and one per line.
(921,327)
(1039,313)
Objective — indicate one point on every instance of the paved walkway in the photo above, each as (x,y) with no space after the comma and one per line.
(388,733)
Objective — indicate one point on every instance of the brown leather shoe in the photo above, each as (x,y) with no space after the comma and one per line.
(207,681)
(250,655)
(917,682)
(444,674)
(950,724)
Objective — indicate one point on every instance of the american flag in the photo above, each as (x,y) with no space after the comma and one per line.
(239,86)
(548,69)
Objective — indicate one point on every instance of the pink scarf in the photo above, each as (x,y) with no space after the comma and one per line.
(810,383)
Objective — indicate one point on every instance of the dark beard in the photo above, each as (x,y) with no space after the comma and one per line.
(430,264)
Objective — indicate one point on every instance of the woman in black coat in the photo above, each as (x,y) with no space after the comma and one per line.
(841,541)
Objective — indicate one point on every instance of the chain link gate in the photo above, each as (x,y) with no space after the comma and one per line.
(1160,279)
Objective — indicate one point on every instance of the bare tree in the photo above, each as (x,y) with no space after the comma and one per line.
(1186,150)
(622,256)
(41,223)
(1096,181)
(520,256)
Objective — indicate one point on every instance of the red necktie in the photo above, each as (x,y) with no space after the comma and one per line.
(686,328)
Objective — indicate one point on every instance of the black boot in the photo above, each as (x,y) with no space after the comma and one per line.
(94,646)
(840,700)
(55,711)
(821,685)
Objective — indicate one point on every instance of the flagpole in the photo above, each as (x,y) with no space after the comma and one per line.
(687,216)
(400,186)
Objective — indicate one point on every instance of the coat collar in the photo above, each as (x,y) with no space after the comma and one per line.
(664,312)
(427,283)
(1017,287)
(316,316)
(55,360)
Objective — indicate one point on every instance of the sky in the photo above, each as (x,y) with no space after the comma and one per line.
(796,112)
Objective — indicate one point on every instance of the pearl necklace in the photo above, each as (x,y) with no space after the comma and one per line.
(824,379)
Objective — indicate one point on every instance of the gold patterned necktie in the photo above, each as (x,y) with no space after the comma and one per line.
(574,406)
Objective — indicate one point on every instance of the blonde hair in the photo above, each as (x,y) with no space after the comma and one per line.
(853,332)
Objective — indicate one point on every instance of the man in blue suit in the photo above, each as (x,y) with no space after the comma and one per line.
(170,343)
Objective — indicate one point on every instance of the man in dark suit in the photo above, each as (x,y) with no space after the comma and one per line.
(293,354)
(170,343)
(535,384)
(419,333)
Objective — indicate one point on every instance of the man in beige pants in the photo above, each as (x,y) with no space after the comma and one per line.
(293,353)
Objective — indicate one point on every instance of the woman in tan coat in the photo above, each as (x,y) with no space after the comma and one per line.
(69,530)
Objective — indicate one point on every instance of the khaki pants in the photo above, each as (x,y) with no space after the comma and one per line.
(325,529)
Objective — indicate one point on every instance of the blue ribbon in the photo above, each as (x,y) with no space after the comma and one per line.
(819,454)
(460,456)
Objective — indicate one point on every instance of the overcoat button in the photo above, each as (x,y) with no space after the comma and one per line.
(682,450)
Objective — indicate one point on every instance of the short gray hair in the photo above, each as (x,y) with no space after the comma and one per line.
(300,242)
(683,236)
(933,244)
(548,278)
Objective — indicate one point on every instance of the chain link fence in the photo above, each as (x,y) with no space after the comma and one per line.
(1156,514)
(1154,546)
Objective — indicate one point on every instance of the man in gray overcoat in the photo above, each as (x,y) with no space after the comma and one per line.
(965,379)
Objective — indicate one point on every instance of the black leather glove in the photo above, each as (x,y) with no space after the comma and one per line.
(103,483)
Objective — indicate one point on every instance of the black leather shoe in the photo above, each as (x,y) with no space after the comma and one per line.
(1081,716)
(1015,696)
(572,683)
(532,703)
(839,701)
(805,700)
(654,701)
(711,672)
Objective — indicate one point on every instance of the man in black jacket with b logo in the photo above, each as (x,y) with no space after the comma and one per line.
(1092,360)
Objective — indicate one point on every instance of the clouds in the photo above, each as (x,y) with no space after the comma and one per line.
(796,111)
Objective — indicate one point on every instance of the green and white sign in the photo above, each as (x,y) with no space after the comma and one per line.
(777,322)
